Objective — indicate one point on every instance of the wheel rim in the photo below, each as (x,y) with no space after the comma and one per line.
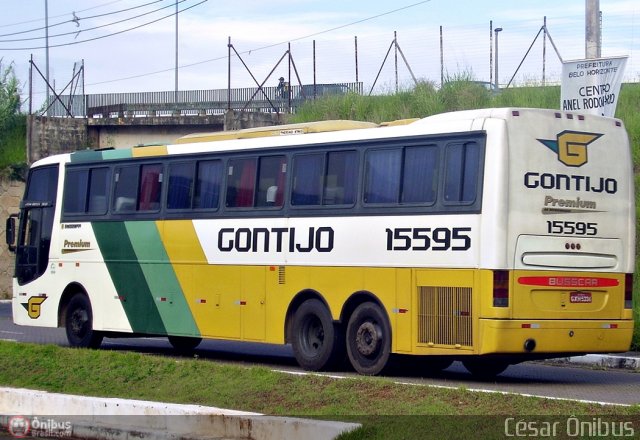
(368,338)
(312,333)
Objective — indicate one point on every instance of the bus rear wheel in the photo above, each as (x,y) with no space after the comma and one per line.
(368,339)
(78,323)
(315,339)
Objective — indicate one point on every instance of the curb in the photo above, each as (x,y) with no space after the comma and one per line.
(602,361)
(111,418)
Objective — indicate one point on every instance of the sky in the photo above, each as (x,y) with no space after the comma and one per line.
(118,58)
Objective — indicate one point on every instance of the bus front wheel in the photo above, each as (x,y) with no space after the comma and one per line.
(79,323)
(314,339)
(368,339)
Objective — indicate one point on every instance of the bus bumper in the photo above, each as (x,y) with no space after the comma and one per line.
(539,337)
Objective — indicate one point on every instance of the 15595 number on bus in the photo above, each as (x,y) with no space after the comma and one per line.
(572,228)
(424,239)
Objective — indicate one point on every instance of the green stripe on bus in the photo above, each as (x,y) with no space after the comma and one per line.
(161,278)
(124,153)
(97,156)
(128,277)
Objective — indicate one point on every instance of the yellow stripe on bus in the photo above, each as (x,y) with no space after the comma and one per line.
(277,130)
(185,253)
(154,150)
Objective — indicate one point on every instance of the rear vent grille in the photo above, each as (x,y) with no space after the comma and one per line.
(281,275)
(445,316)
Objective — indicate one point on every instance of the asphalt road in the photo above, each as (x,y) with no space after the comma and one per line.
(531,378)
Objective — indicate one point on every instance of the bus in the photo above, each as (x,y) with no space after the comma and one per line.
(490,237)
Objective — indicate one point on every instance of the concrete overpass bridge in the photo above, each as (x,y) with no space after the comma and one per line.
(122,120)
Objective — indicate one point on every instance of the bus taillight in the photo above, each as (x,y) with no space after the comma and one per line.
(628,291)
(500,288)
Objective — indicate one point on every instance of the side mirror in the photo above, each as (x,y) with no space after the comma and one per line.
(10,232)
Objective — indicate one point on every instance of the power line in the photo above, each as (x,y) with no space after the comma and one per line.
(61,15)
(263,47)
(76,32)
(108,35)
(76,20)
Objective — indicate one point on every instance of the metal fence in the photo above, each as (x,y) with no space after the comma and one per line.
(196,102)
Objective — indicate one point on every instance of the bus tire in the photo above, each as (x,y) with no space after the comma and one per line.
(368,339)
(184,344)
(485,368)
(315,339)
(78,323)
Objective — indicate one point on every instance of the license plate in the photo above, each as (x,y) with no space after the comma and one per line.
(580,297)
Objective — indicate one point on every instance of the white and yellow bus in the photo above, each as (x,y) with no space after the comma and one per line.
(489,236)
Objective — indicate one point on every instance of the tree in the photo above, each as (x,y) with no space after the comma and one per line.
(12,126)
(9,97)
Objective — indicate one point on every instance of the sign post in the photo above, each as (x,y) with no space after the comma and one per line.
(592,86)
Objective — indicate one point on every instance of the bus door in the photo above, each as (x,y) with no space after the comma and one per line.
(35,224)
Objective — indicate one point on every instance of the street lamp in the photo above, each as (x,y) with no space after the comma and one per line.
(496,30)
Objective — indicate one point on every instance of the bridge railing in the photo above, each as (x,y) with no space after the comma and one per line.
(195,102)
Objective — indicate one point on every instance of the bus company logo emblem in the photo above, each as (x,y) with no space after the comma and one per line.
(19,426)
(34,306)
(571,146)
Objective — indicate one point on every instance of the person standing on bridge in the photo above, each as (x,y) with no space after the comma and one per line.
(283,88)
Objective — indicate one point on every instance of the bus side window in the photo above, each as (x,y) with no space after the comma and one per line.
(462,161)
(75,191)
(271,177)
(307,179)
(180,185)
(86,191)
(382,176)
(241,177)
(208,184)
(420,174)
(98,190)
(150,187)
(325,179)
(126,189)
(341,178)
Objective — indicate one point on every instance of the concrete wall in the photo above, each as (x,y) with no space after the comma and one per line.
(49,136)
(128,132)
(10,194)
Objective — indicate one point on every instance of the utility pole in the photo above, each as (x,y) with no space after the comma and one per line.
(497,84)
(176,94)
(46,35)
(592,29)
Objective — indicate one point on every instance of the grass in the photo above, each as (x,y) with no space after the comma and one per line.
(386,410)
